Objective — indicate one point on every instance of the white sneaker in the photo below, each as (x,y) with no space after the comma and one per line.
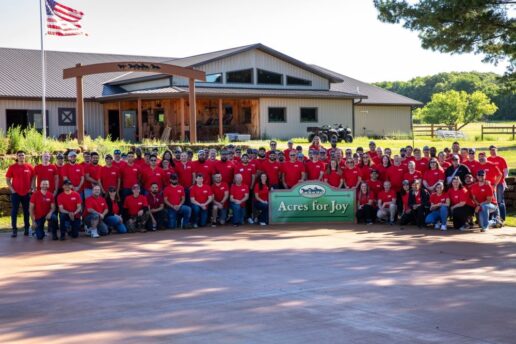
(437,226)
(250,221)
(87,230)
(263,224)
(94,233)
(195,225)
(443,227)
(483,229)
(464,228)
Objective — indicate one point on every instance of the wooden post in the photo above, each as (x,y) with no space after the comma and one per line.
(513,131)
(193,111)
(182,118)
(482,132)
(80,109)
(140,121)
(432,130)
(221,128)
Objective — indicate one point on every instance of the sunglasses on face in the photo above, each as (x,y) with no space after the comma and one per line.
(153,160)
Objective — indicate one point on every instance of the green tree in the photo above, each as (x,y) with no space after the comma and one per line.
(454,107)
(459,26)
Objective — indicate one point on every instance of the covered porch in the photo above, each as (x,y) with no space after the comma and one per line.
(168,119)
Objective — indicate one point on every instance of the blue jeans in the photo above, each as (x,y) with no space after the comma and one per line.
(437,215)
(501,201)
(87,193)
(66,222)
(263,208)
(101,226)
(200,216)
(40,226)
(238,213)
(184,212)
(15,201)
(483,214)
(116,222)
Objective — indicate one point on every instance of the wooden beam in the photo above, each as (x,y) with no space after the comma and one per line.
(140,121)
(182,118)
(221,116)
(193,111)
(80,109)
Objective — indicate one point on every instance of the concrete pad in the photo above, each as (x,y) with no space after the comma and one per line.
(278,284)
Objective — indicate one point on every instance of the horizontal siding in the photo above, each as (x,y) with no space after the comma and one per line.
(94,123)
(329,112)
(381,120)
(147,84)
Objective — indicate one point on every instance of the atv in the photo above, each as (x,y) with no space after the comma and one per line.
(327,133)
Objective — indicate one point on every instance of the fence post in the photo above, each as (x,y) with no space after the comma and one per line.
(513,131)
(432,130)
(482,132)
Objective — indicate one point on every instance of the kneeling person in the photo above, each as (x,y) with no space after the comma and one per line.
(174,197)
(136,210)
(70,206)
(239,194)
(95,212)
(42,209)
(219,209)
(200,196)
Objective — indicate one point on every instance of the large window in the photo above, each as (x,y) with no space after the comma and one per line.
(308,115)
(244,76)
(269,78)
(293,81)
(214,78)
(277,115)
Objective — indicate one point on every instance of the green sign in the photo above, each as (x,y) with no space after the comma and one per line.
(312,201)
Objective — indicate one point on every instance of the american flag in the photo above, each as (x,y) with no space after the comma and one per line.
(63,20)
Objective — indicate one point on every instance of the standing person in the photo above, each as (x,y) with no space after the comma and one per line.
(74,173)
(493,173)
(375,185)
(117,160)
(273,145)
(421,162)
(95,211)
(372,150)
(168,170)
(184,171)
(46,171)
(482,194)
(152,174)
(290,148)
(91,174)
(202,167)
(407,215)
(247,170)
(419,203)
(59,166)
(42,209)
(499,162)
(387,204)
(19,180)
(471,162)
(225,168)
(412,174)
(219,208)
(433,175)
(174,197)
(333,175)
(351,175)
(439,203)
(69,203)
(109,176)
(201,197)
(113,218)
(261,199)
(156,208)
(383,167)
(459,208)
(365,204)
(129,176)
(441,158)
(292,172)
(316,144)
(314,168)
(238,196)
(273,169)
(456,169)
(395,173)
(365,166)
(136,211)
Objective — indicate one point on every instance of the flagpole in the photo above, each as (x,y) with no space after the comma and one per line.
(43,71)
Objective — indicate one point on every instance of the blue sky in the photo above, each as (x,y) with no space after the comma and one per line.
(344,35)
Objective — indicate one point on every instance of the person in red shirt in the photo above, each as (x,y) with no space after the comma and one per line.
(94,213)
(91,174)
(261,199)
(439,203)
(365,166)
(316,144)
(314,168)
(412,174)
(220,206)
(113,218)
(273,169)
(395,173)
(225,168)
(156,208)
(419,203)
(471,162)
(109,176)
(152,174)
(387,204)
(459,207)
(184,170)
(365,204)
(499,162)
(433,175)
(273,148)
(292,172)
(201,197)
(46,171)
(238,196)
(333,175)
(374,184)
(74,172)
(129,176)
(441,158)
(42,210)
(201,167)
(174,197)
(290,148)
(407,215)
(117,159)
(421,162)
(19,180)
(492,173)
(168,170)
(482,194)
(59,166)
(247,170)
(351,175)
(136,211)
(382,167)
(69,203)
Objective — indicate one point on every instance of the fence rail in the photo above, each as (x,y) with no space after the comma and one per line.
(430,129)
(507,130)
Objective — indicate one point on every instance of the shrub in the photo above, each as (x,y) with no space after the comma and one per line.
(15,136)
(4,142)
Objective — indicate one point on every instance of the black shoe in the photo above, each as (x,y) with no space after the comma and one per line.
(54,237)
(26,232)
(15,234)
(63,238)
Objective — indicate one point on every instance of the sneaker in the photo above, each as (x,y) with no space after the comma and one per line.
(87,231)
(14,234)
(368,223)
(437,226)
(26,232)
(213,225)
(187,226)
(195,225)
(250,221)
(483,229)
(263,224)
(464,228)
(94,233)
(154,228)
(443,227)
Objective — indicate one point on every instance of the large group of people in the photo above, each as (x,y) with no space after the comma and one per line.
(145,191)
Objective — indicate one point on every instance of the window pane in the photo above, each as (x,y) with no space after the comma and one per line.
(308,114)
(240,76)
(277,114)
(214,78)
(291,80)
(269,78)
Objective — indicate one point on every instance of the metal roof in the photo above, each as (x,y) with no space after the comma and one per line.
(375,95)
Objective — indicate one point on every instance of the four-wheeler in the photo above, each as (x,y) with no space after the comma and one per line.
(327,133)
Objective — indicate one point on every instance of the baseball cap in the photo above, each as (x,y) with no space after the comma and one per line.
(471,151)
(481,173)
(117,152)
(173,176)
(67,182)
(60,156)
(72,153)
(492,147)
(109,156)
(290,141)
(426,148)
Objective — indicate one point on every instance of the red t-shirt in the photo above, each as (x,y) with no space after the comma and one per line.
(293,171)
(395,176)
(119,164)
(499,162)
(200,193)
(21,177)
(438,199)
(365,172)
(433,176)
(457,196)
(382,172)
(364,199)
(48,172)
(115,208)
(94,172)
(135,204)
(226,170)
(42,203)
(263,193)
(60,174)
(404,201)
(151,176)
(184,172)
(166,176)
(272,170)
(492,172)
(417,197)
(444,164)
(109,176)
(238,192)
(154,201)
(314,169)
(421,165)
(375,186)
(481,192)
(247,172)
(387,197)
(219,190)
(69,201)
(74,173)
(204,169)
(129,175)
(333,178)
(472,165)
(411,177)
(174,194)
(98,204)
(351,176)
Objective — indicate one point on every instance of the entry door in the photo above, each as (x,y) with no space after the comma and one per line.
(129,125)
(35,118)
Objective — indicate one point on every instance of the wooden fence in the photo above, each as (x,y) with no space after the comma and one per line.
(430,129)
(497,130)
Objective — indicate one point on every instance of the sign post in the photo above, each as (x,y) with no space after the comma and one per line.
(312,201)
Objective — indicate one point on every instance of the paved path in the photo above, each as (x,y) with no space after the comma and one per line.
(285,284)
